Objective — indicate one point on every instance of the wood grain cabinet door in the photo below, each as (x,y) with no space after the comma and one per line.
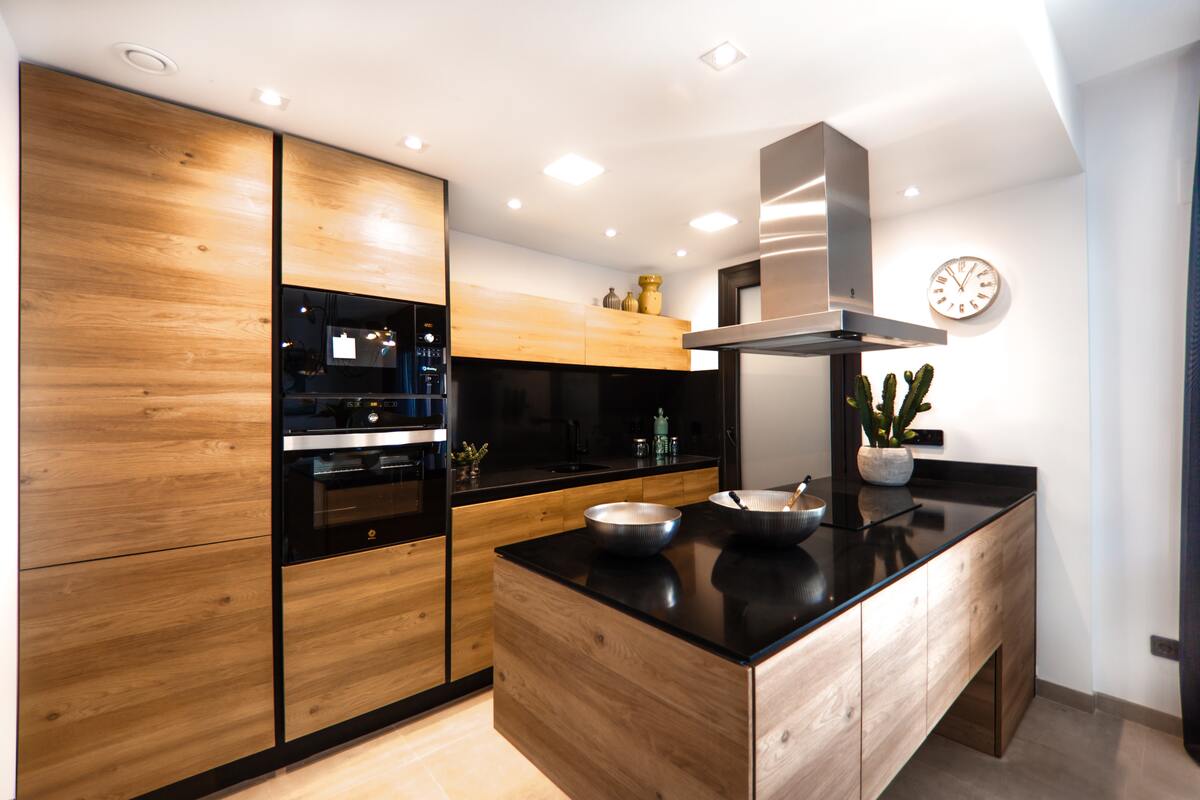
(949,629)
(354,224)
(698,484)
(361,631)
(139,671)
(486,323)
(1019,610)
(987,593)
(145,324)
(894,664)
(808,715)
(665,489)
(478,530)
(620,339)
(579,499)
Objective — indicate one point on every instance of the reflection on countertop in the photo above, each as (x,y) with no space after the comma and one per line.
(745,602)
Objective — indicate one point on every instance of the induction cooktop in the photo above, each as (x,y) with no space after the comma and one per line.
(854,506)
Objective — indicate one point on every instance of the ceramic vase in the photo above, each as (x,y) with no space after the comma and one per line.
(885,466)
(612,299)
(650,300)
(630,303)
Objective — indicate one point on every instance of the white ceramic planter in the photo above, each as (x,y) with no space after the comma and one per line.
(885,466)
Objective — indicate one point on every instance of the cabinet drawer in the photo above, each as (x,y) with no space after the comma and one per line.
(581,498)
(361,631)
(665,489)
(699,484)
(477,531)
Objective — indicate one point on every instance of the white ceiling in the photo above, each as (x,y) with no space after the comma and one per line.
(943,93)
(1101,36)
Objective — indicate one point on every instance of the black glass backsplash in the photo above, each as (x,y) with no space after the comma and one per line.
(521,409)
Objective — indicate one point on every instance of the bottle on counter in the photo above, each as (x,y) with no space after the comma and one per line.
(662,445)
(641,448)
(673,446)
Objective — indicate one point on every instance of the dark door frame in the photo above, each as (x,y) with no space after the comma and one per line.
(845,434)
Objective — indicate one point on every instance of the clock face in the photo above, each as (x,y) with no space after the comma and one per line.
(963,287)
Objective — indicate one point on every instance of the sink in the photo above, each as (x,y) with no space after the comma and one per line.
(574,467)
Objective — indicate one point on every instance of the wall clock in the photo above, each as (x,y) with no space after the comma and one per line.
(963,287)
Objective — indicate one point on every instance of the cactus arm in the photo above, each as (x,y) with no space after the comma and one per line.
(914,401)
(887,408)
(863,402)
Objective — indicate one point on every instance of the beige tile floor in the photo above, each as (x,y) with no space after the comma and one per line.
(454,754)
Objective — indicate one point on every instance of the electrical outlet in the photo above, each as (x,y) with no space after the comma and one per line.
(928,437)
(1163,647)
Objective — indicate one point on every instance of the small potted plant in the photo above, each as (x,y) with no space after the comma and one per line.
(466,460)
(885,461)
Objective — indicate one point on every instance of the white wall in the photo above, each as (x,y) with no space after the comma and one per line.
(9,222)
(1141,144)
(1011,386)
(498,265)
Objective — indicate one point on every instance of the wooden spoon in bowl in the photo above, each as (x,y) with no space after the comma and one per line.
(796,494)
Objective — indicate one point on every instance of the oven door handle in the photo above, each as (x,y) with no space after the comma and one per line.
(340,441)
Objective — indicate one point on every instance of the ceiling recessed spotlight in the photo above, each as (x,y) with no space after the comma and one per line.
(573,169)
(270,97)
(722,56)
(515,203)
(710,223)
(680,253)
(145,59)
(414,143)
(912,191)
(610,232)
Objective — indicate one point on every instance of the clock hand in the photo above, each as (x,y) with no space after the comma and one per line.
(956,280)
(968,275)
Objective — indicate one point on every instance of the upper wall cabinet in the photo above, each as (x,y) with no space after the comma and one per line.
(354,224)
(145,324)
(488,323)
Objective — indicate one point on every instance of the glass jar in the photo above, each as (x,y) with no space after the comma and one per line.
(641,448)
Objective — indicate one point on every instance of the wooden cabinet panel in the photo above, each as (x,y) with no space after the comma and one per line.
(621,339)
(987,593)
(145,324)
(139,671)
(949,629)
(610,707)
(354,224)
(486,323)
(1018,534)
(665,489)
(698,484)
(477,531)
(808,715)
(580,498)
(361,631)
(894,663)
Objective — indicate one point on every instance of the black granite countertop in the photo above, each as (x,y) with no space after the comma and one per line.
(745,602)
(499,484)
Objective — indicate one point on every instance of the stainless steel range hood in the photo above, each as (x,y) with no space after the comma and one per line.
(815,256)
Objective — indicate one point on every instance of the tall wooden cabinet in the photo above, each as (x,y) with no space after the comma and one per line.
(145,608)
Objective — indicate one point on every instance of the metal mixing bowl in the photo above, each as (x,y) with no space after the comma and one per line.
(632,529)
(766,522)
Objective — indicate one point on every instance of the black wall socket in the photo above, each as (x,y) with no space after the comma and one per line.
(928,437)
(1163,647)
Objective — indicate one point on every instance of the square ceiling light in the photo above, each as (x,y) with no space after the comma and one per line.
(711,223)
(573,169)
(723,56)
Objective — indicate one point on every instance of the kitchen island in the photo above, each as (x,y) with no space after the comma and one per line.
(716,669)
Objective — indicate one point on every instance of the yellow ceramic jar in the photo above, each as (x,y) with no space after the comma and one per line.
(650,300)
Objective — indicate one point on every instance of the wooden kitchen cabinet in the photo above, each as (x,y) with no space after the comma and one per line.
(353,224)
(948,630)
(699,484)
(894,673)
(621,339)
(808,715)
(478,530)
(485,323)
(139,671)
(985,548)
(580,498)
(1017,531)
(146,303)
(665,489)
(361,631)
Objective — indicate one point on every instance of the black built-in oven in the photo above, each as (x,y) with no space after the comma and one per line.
(345,344)
(360,473)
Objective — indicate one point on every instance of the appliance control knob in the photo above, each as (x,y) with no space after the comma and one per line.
(372,417)
(429,337)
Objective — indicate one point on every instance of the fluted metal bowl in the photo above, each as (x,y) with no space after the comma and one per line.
(632,529)
(766,522)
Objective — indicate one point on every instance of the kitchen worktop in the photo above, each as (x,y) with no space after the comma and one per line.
(517,481)
(745,602)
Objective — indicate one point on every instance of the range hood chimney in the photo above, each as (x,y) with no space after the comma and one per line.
(815,257)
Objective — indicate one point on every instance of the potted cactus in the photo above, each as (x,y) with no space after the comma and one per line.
(884,460)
